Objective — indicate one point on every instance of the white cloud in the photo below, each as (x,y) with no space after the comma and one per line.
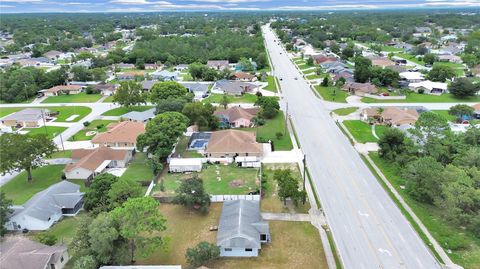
(230,1)
(6,6)
(138,2)
(22,1)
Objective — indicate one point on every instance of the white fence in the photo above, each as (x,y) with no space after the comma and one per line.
(221,198)
(381,97)
(150,188)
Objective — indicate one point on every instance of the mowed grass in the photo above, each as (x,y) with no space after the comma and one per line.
(304,66)
(119,111)
(64,112)
(413,97)
(270,128)
(272,86)
(4,111)
(345,111)
(139,169)
(98,126)
(181,149)
(361,131)
(217,179)
(410,57)
(108,99)
(51,131)
(314,76)
(217,98)
(19,190)
(432,217)
(61,154)
(333,94)
(445,114)
(73,98)
(65,229)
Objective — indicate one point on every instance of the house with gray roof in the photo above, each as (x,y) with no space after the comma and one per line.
(165,75)
(148,84)
(140,116)
(233,87)
(47,207)
(20,252)
(200,90)
(242,230)
(28,117)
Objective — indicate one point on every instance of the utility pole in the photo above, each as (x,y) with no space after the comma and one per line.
(44,124)
(286,120)
(61,139)
(304,169)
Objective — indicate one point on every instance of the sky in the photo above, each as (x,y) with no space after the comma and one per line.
(88,6)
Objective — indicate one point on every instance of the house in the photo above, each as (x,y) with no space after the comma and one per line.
(151,66)
(165,75)
(412,76)
(449,58)
(140,116)
(381,61)
(242,76)
(62,89)
(106,89)
(232,143)
(347,74)
(21,252)
(28,117)
(236,117)
(147,84)
(399,116)
(233,87)
(47,207)
(120,135)
(181,67)
(370,114)
(125,66)
(218,64)
(87,163)
(397,67)
(182,165)
(429,87)
(34,62)
(200,90)
(359,89)
(53,54)
(321,59)
(476,111)
(241,229)
(131,75)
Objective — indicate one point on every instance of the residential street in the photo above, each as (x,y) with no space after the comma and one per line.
(368,228)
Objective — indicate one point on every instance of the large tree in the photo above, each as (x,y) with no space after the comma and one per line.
(362,71)
(461,111)
(168,89)
(201,114)
(441,73)
(97,196)
(422,179)
(140,222)
(463,87)
(202,253)
(122,190)
(5,212)
(391,143)
(130,93)
(24,152)
(191,193)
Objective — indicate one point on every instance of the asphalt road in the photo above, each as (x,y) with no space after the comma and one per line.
(368,228)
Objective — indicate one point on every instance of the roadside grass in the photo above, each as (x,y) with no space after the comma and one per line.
(432,217)
(217,179)
(5,111)
(271,84)
(181,149)
(380,130)
(332,93)
(73,98)
(413,97)
(345,111)
(61,154)
(19,190)
(245,98)
(457,67)
(108,99)
(410,57)
(139,169)
(98,126)
(445,114)
(186,76)
(361,131)
(64,112)
(309,71)
(269,130)
(119,111)
(314,76)
(333,246)
(271,202)
(51,132)
(304,66)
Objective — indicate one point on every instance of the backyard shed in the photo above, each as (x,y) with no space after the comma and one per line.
(181,165)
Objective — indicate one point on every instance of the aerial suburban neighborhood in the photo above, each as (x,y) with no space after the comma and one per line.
(321,135)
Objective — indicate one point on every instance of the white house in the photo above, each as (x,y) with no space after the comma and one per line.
(47,207)
(429,87)
(181,165)
(412,76)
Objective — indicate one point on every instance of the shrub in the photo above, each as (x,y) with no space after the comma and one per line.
(46,238)
(100,126)
(279,135)
(202,253)
(86,123)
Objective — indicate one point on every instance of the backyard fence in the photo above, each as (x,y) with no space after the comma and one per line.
(222,198)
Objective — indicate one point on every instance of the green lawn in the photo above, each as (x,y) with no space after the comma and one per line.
(19,190)
(270,128)
(345,111)
(361,131)
(457,67)
(217,179)
(391,49)
(380,129)
(304,66)
(61,154)
(52,131)
(98,126)
(216,98)
(119,111)
(108,99)
(309,71)
(139,169)
(186,76)
(332,93)
(181,149)
(409,57)
(445,114)
(65,230)
(73,98)
(314,76)
(272,86)
(64,112)
(4,111)
(413,97)
(432,217)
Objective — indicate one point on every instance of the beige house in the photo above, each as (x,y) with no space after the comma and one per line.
(360,89)
(236,117)
(395,116)
(87,163)
(233,143)
(242,76)
(120,135)
(28,117)
(62,89)
(20,252)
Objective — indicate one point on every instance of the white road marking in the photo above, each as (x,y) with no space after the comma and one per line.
(381,250)
(363,214)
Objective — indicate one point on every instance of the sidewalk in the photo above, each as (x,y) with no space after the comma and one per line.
(286,217)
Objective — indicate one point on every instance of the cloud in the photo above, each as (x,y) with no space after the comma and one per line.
(6,6)
(138,2)
(22,1)
(230,1)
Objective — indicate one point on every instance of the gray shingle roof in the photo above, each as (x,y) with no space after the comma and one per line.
(241,225)
(140,116)
(27,114)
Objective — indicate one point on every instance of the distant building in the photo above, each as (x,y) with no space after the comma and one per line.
(131,75)
(218,64)
(200,90)
(28,117)
(62,89)
(429,87)
(120,135)
(53,54)
(360,89)
(106,89)
(139,116)
(165,75)
(233,87)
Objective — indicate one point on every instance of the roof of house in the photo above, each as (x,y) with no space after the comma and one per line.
(233,141)
(50,201)
(371,111)
(399,116)
(241,225)
(195,86)
(132,74)
(237,112)
(362,87)
(122,132)
(427,84)
(381,61)
(449,57)
(27,114)
(64,88)
(142,267)
(411,75)
(319,59)
(140,115)
(52,53)
(217,63)
(397,68)
(476,107)
(233,86)
(20,252)
(148,84)
(91,159)
(243,75)
(105,86)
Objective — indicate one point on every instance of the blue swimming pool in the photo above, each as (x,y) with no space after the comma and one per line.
(198,144)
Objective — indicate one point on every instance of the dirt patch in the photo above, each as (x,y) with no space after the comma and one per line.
(236,183)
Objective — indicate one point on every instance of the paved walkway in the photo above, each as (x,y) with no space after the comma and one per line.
(102,99)
(366,148)
(60,124)
(286,216)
